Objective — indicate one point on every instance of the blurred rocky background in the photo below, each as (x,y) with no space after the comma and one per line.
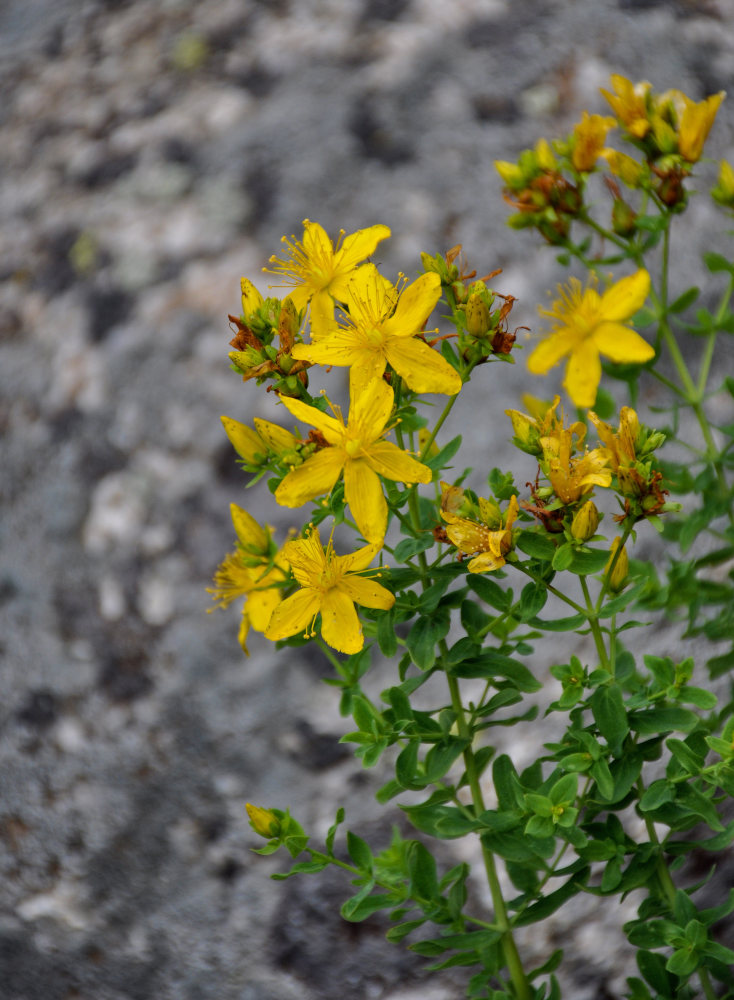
(151,153)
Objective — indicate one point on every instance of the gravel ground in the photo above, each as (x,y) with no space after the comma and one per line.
(152,152)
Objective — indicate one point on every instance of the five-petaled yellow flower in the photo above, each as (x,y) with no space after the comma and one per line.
(472,537)
(252,571)
(357,448)
(330,585)
(588,324)
(319,271)
(382,329)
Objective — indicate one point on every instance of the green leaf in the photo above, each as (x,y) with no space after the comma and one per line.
(396,934)
(607,707)
(603,777)
(569,624)
(659,792)
(685,300)
(356,908)
(536,544)
(410,547)
(386,637)
(563,557)
(422,870)
(717,262)
(422,638)
(652,967)
(532,599)
(359,852)
(564,790)
(585,561)
(689,760)
(489,591)
(683,962)
(338,820)
(697,696)
(493,664)
(441,756)
(444,456)
(406,766)
(550,903)
(663,720)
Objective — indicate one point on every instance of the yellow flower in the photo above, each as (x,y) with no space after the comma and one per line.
(318,270)
(589,137)
(356,448)
(382,328)
(629,104)
(330,585)
(587,325)
(620,445)
(471,536)
(252,571)
(572,478)
(695,124)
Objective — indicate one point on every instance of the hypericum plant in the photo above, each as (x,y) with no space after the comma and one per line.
(453,585)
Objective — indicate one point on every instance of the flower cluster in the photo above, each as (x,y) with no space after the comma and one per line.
(547,185)
(340,311)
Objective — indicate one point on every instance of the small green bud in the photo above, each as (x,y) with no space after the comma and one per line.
(624,218)
(477,315)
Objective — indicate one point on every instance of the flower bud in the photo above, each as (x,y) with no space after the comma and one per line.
(619,573)
(263,821)
(624,218)
(251,298)
(512,175)
(585,522)
(245,441)
(723,193)
(287,324)
(477,315)
(527,435)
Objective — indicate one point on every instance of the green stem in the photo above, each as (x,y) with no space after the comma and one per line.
(439,424)
(511,955)
(667,887)
(591,617)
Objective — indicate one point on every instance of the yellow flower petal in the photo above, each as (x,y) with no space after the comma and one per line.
(370,407)
(622,344)
(340,624)
(423,369)
(307,559)
(293,615)
(360,245)
(393,463)
(262,603)
(550,351)
(332,430)
(625,297)
(355,562)
(415,305)
(583,374)
(485,562)
(363,493)
(313,479)
(365,591)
